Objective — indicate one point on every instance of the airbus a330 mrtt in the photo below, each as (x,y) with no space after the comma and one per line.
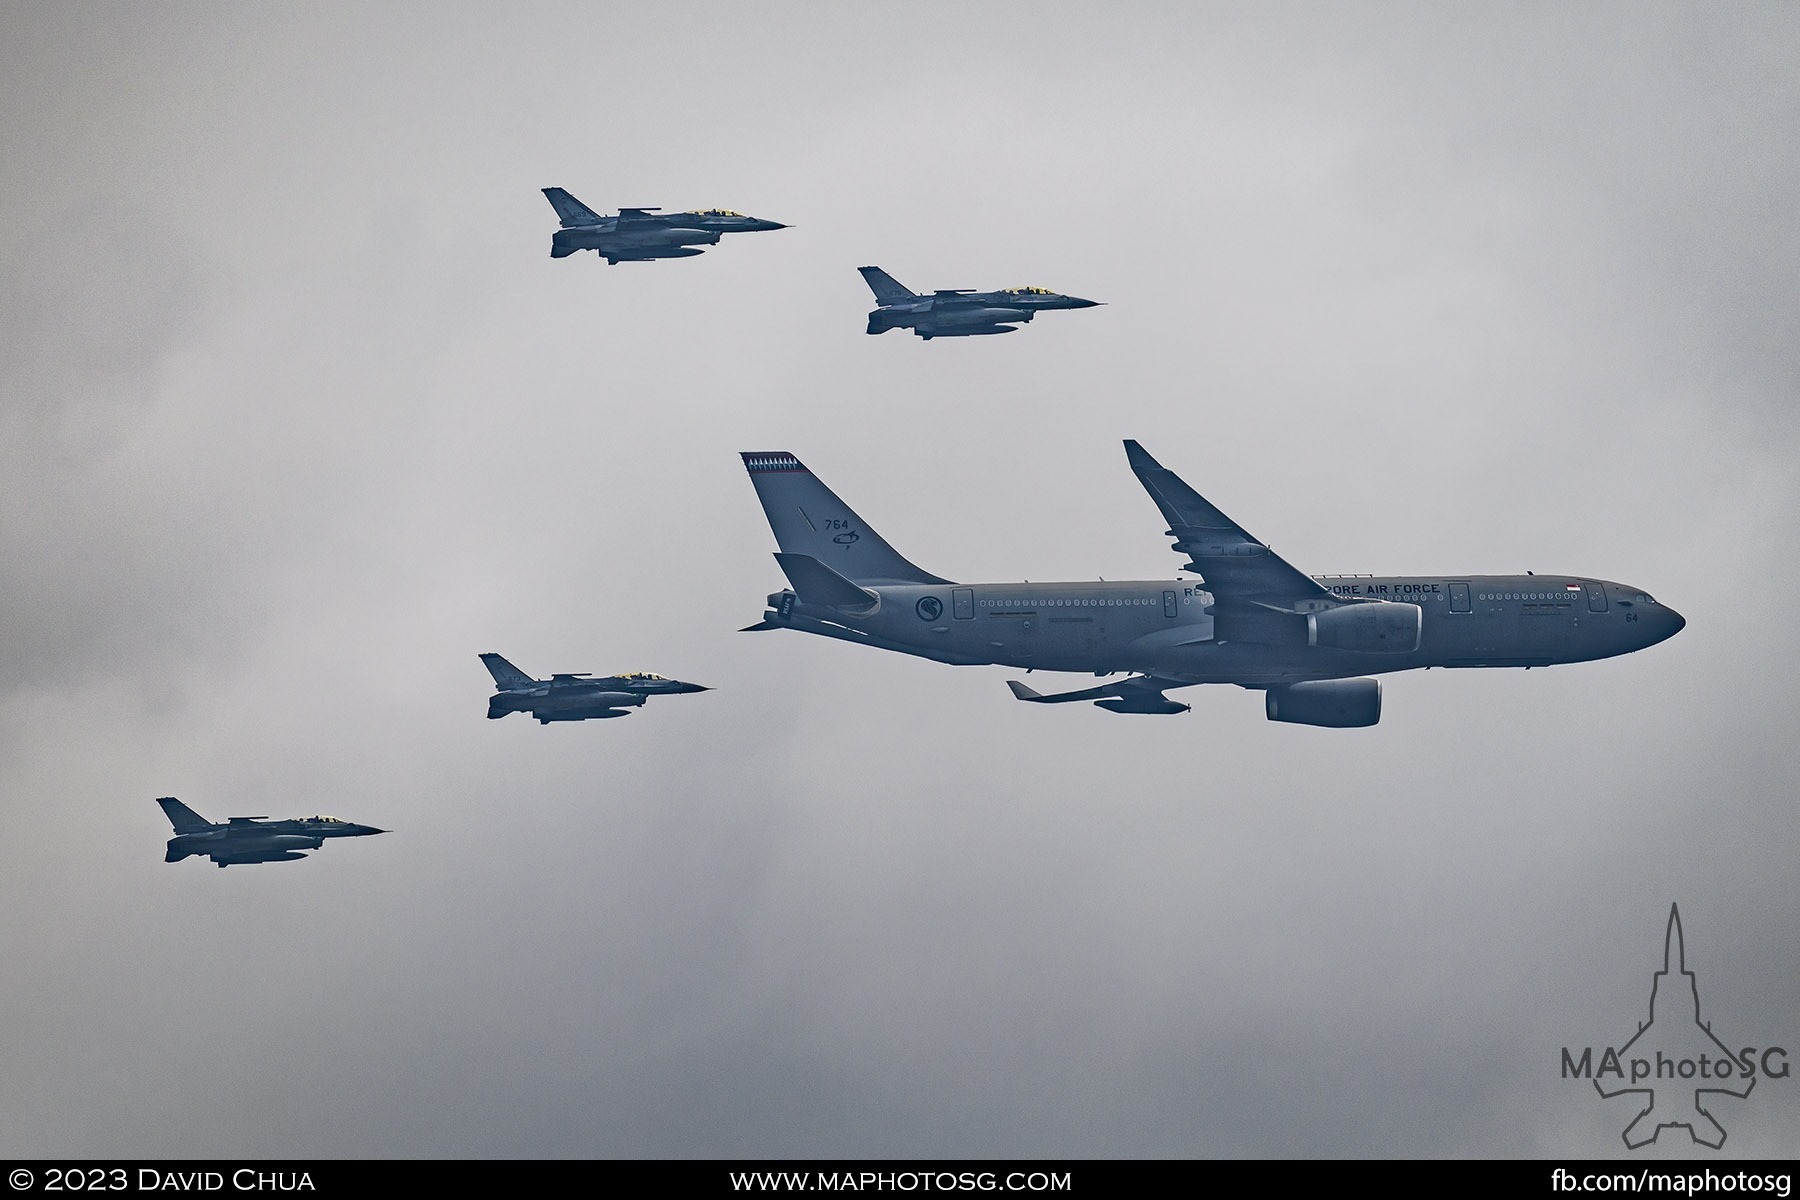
(1310,643)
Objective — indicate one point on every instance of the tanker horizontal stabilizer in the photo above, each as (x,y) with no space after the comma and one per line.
(816,583)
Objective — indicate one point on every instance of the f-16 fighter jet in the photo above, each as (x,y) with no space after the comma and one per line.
(241,840)
(574,697)
(641,234)
(958,312)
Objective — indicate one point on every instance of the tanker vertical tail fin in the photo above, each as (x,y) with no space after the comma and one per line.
(808,519)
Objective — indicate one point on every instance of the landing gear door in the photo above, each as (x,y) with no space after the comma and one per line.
(962,601)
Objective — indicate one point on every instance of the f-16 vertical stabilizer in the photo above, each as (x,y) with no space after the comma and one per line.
(887,289)
(570,211)
(505,674)
(183,818)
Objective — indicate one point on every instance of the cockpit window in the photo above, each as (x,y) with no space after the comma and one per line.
(326,820)
(719,212)
(1643,599)
(639,675)
(1029,291)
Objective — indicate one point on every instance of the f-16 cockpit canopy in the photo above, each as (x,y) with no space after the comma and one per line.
(327,821)
(637,675)
(1029,291)
(716,212)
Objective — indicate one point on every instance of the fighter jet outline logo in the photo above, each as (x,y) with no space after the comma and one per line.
(1696,1057)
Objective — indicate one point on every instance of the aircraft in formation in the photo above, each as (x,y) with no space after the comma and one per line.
(1309,643)
(574,697)
(242,840)
(958,312)
(641,234)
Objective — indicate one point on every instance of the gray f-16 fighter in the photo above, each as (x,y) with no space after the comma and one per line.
(574,697)
(242,840)
(1308,642)
(958,312)
(641,234)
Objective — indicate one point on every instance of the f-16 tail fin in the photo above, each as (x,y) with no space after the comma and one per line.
(887,289)
(183,818)
(505,674)
(569,210)
(808,519)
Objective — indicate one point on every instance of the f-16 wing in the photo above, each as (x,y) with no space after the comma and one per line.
(1238,569)
(1139,694)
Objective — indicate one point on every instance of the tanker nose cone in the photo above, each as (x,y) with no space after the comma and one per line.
(1674,623)
(1660,623)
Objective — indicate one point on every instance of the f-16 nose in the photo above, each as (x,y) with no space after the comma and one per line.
(1078,302)
(759,225)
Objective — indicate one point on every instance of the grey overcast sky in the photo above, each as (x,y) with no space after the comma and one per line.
(300,417)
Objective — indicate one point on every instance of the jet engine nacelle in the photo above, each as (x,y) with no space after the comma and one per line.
(1331,703)
(1377,627)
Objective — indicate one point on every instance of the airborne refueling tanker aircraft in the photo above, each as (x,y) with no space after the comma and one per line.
(1309,643)
(641,234)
